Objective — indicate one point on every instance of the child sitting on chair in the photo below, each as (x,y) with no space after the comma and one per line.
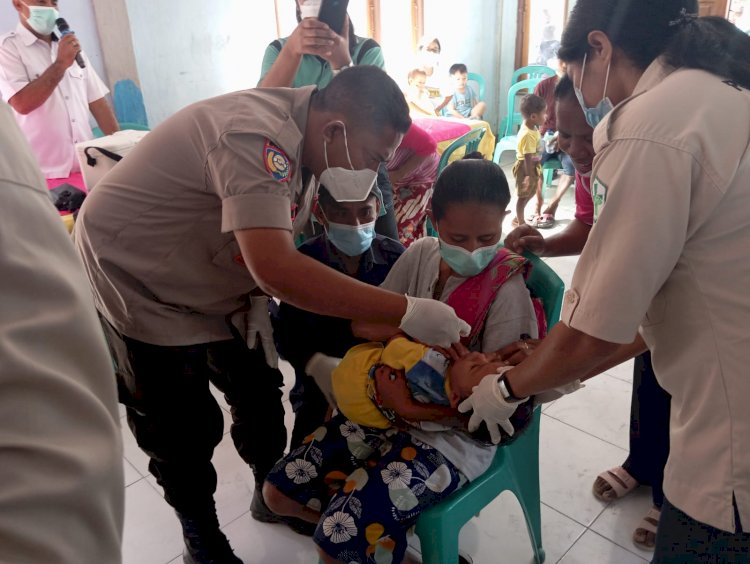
(464,103)
(417,96)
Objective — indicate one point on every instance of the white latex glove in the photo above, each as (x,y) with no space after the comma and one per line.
(320,367)
(556,393)
(488,405)
(255,324)
(433,322)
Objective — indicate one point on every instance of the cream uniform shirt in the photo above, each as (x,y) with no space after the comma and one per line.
(670,255)
(56,126)
(156,236)
(61,481)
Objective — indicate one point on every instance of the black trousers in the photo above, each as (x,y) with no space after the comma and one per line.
(177,422)
(310,407)
(649,429)
(683,540)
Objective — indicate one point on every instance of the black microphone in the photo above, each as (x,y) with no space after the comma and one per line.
(64,28)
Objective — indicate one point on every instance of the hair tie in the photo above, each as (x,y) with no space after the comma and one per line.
(684,19)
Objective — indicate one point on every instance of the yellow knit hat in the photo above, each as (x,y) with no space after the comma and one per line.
(403,354)
(352,376)
(350,380)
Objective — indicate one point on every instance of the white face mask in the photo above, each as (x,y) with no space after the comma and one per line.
(42,19)
(310,8)
(347,185)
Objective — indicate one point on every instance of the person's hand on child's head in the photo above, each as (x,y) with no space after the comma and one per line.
(456,352)
(393,391)
(467,373)
(525,238)
(516,352)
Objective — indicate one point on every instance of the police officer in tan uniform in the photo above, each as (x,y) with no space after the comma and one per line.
(61,482)
(202,214)
(667,261)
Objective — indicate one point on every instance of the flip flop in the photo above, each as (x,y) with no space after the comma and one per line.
(545,221)
(619,481)
(648,524)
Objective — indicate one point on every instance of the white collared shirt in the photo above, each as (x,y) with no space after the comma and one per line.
(56,126)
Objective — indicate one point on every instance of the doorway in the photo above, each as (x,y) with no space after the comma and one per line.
(540,25)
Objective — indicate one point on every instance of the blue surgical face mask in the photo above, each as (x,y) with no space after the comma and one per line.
(42,19)
(464,263)
(596,114)
(352,240)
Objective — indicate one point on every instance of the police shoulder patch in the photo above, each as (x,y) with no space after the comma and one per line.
(276,162)
(599,195)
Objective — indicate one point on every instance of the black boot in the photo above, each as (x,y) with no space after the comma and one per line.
(204,541)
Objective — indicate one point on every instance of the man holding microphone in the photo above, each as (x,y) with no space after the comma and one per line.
(51,93)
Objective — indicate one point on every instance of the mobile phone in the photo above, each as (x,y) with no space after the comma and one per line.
(333,14)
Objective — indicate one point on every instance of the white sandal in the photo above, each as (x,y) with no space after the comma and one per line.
(620,482)
(648,524)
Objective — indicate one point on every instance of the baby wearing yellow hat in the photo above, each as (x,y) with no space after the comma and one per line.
(431,378)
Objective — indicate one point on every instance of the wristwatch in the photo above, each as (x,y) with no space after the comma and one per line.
(346,66)
(506,390)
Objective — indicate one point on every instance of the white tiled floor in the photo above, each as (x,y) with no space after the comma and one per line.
(581,435)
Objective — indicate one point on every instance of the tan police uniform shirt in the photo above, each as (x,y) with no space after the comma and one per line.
(156,234)
(61,480)
(670,252)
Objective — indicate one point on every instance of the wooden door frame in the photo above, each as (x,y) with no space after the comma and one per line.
(375,21)
(523,27)
(723,5)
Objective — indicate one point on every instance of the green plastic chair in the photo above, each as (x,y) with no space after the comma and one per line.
(479,79)
(470,141)
(532,71)
(548,171)
(509,141)
(515,467)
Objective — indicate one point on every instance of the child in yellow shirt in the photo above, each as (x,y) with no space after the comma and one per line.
(528,169)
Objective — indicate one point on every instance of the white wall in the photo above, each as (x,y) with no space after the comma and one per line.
(482,35)
(195,49)
(79,14)
(192,49)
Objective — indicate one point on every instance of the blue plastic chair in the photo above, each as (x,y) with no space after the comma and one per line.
(509,141)
(532,71)
(479,79)
(128,102)
(470,141)
(515,467)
